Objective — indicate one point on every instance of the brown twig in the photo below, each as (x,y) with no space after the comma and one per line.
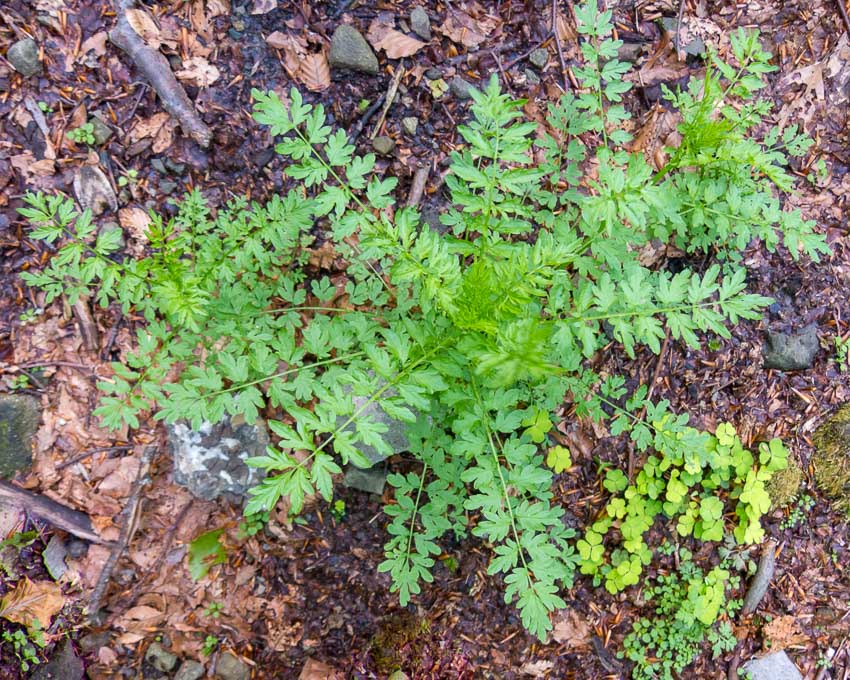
(128,521)
(155,67)
(365,118)
(389,98)
(843,10)
(48,510)
(87,454)
(88,328)
(110,339)
(559,46)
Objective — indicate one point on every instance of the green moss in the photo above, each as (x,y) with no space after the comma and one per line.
(785,484)
(398,642)
(831,457)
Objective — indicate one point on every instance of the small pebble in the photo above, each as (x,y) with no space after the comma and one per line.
(539,57)
(383,145)
(409,124)
(462,89)
(420,23)
(23,56)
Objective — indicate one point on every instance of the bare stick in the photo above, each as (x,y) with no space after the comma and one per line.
(843,10)
(155,67)
(365,118)
(417,187)
(389,98)
(86,454)
(128,516)
(88,328)
(48,510)
(678,38)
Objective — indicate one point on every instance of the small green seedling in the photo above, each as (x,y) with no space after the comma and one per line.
(83,134)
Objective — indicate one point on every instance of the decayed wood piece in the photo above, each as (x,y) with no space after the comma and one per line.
(48,510)
(88,328)
(760,582)
(155,67)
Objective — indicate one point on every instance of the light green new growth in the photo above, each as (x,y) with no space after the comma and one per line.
(472,335)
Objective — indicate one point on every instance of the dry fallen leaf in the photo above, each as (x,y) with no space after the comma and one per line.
(782,632)
(395,43)
(96,44)
(263,6)
(32,601)
(463,28)
(315,72)
(198,71)
(571,629)
(316,670)
(143,24)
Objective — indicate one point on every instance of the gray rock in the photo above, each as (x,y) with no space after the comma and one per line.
(63,665)
(19,417)
(93,641)
(160,658)
(190,670)
(776,666)
(210,461)
(94,191)
(167,186)
(531,77)
(420,23)
(539,57)
(349,50)
(409,124)
(372,480)
(23,56)
(100,130)
(395,435)
(630,51)
(791,351)
(383,145)
(230,667)
(54,557)
(433,74)
(462,89)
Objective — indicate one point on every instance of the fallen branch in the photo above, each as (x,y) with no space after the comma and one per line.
(417,186)
(154,66)
(760,582)
(49,511)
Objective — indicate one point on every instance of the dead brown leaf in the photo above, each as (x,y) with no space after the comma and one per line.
(571,629)
(396,44)
(316,670)
(95,44)
(263,6)
(782,632)
(32,601)
(198,71)
(315,72)
(144,25)
(469,28)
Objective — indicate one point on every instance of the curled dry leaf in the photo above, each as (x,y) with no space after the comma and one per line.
(571,629)
(395,43)
(143,24)
(199,72)
(783,632)
(469,28)
(32,601)
(315,72)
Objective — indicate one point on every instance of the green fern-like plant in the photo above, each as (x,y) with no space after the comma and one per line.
(472,335)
